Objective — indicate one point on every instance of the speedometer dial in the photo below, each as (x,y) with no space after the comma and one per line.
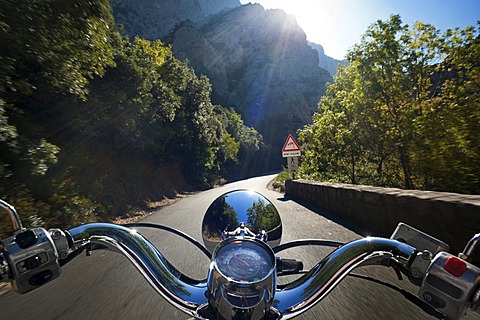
(242,276)
(244,261)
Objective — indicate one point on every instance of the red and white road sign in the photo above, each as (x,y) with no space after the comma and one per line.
(291,148)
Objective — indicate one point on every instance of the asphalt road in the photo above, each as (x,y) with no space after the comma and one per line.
(106,286)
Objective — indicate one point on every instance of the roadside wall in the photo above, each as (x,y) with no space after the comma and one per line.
(451,217)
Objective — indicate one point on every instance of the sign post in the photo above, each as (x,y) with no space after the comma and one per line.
(292,151)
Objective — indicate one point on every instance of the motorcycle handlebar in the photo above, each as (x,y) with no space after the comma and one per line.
(179,290)
(191,296)
(321,279)
(290,301)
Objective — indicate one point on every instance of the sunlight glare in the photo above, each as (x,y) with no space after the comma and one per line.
(314,17)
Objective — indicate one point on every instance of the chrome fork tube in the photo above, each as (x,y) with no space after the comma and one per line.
(308,290)
(159,273)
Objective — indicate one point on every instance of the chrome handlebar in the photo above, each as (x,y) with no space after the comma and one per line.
(160,274)
(321,279)
(191,296)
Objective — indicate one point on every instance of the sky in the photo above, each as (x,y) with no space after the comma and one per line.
(338,24)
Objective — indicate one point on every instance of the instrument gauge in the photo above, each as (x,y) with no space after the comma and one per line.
(245,261)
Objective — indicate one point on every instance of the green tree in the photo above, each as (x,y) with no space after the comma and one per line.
(8,141)
(41,34)
(449,153)
(89,119)
(49,51)
(262,215)
(241,145)
(403,113)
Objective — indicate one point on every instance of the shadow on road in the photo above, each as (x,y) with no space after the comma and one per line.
(339,220)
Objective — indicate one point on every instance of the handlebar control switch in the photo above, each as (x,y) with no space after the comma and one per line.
(33,259)
(450,285)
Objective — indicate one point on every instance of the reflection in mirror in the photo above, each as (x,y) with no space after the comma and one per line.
(237,211)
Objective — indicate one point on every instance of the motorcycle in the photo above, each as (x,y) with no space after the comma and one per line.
(242,233)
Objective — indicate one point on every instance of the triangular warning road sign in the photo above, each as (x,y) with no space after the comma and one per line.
(291,148)
(290,144)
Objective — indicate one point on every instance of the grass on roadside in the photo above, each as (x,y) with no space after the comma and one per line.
(283,176)
(278,183)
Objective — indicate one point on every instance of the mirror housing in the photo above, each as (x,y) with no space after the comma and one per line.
(232,209)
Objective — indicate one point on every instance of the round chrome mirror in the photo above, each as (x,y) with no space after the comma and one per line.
(241,210)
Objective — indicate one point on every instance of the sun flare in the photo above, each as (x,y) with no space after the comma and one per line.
(314,17)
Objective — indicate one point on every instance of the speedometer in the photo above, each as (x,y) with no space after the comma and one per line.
(244,261)
(242,278)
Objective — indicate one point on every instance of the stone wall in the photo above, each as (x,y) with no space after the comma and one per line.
(451,217)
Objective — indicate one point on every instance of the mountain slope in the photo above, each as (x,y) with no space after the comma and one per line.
(258,61)
(327,62)
(154,19)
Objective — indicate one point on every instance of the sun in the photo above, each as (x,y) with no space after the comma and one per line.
(313,16)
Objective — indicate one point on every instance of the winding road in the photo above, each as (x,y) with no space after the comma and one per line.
(106,286)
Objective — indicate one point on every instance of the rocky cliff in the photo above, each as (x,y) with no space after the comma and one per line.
(258,60)
(326,62)
(154,19)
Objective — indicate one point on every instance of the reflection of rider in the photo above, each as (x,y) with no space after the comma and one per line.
(241,229)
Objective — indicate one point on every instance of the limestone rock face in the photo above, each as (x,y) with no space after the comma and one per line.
(258,61)
(154,19)
(326,62)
